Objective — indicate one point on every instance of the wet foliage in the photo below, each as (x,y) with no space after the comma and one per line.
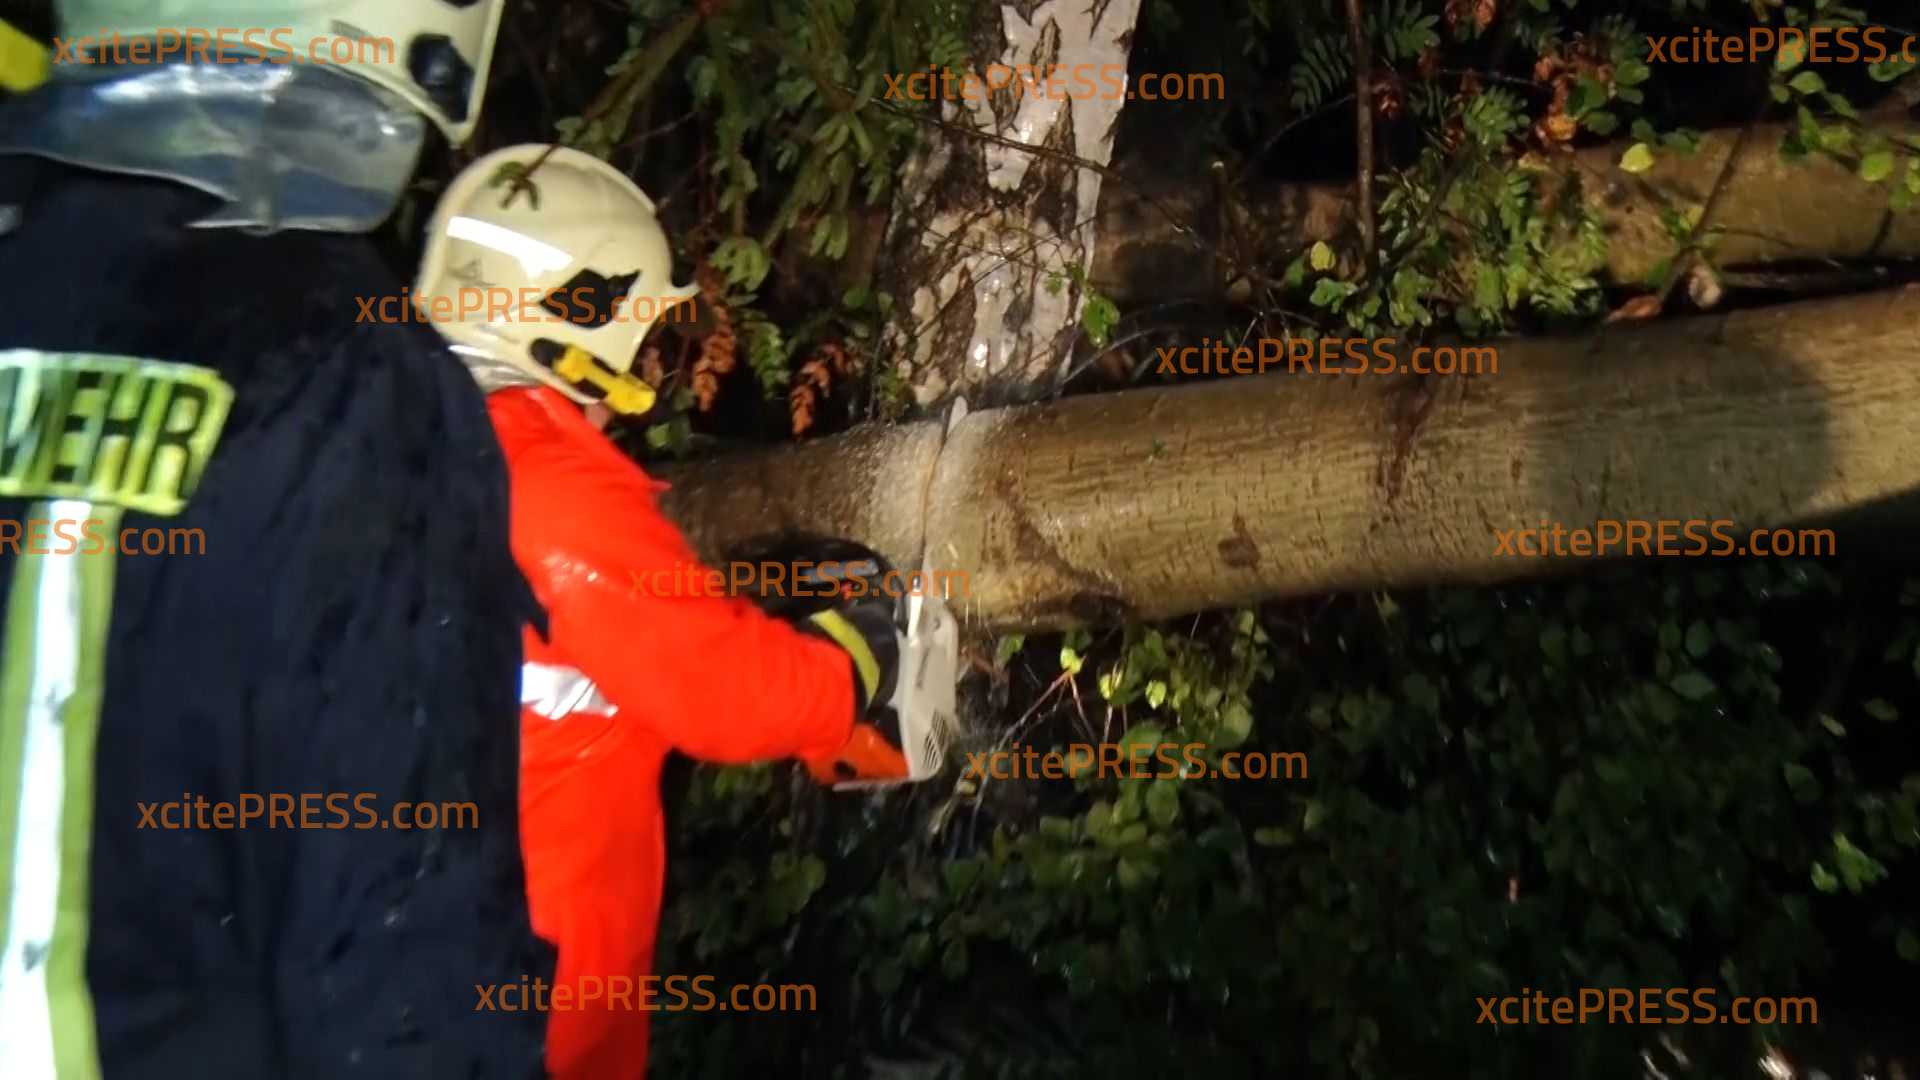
(1693,774)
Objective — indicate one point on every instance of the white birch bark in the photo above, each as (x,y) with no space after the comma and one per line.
(981,230)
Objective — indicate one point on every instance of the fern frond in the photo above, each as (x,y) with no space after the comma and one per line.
(1324,68)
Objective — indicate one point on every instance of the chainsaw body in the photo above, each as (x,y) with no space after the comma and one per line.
(821,573)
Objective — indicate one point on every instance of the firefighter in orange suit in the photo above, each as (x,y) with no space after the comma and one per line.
(638,656)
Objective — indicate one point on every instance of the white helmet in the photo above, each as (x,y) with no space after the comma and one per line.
(579,262)
(434,53)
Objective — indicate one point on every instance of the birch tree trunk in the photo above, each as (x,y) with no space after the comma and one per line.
(983,233)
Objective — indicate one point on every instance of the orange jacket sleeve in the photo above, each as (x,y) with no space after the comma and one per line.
(711,675)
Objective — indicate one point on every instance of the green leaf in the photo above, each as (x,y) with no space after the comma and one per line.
(1692,685)
(1857,868)
(1699,639)
(1236,723)
(1321,256)
(1099,817)
(1488,290)
(1600,122)
(1885,71)
(1156,693)
(1587,94)
(1272,836)
(1637,159)
(1149,735)
(1801,782)
(1790,55)
(1807,82)
(1133,871)
(1877,166)
(1824,880)
(1881,710)
(1328,291)
(1008,647)
(1163,802)
(1097,317)
(1314,815)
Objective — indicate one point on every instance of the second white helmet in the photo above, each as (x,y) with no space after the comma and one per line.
(562,278)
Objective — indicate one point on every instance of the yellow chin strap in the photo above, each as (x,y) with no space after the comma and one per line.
(24,62)
(625,393)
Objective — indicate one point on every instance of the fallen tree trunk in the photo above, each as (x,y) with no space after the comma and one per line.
(1155,503)
(1772,210)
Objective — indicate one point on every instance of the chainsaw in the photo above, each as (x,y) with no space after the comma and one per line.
(922,714)
(824,572)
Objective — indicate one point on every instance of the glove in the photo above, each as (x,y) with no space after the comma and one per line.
(865,631)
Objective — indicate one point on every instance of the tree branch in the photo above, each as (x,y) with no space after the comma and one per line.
(1363,132)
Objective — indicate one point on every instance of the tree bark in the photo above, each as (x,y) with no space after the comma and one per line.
(1154,503)
(983,233)
(1773,210)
